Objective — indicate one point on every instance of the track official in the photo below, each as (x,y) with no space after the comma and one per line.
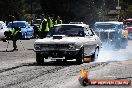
(15,35)
(58,21)
(44,28)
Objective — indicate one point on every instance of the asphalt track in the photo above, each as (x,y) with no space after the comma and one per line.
(18,69)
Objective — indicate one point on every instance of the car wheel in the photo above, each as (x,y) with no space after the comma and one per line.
(95,55)
(25,35)
(39,59)
(65,61)
(80,56)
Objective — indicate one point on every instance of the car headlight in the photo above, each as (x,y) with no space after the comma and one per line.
(37,46)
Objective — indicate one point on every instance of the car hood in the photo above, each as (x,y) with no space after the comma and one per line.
(63,40)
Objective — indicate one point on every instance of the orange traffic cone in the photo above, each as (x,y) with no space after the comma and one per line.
(86,74)
(84,79)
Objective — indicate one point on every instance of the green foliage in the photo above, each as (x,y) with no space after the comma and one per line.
(88,11)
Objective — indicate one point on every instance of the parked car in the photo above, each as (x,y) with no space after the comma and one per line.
(36,22)
(26,30)
(3,28)
(67,42)
(112,33)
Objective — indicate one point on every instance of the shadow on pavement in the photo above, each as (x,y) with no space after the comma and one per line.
(53,63)
(8,50)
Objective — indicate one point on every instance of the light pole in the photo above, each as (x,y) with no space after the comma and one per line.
(31,8)
(118,2)
(118,9)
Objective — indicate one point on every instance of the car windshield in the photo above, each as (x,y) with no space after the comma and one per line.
(105,26)
(68,30)
(17,24)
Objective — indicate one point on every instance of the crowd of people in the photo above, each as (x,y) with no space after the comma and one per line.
(46,24)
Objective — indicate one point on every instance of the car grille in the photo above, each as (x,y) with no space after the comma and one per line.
(106,35)
(54,46)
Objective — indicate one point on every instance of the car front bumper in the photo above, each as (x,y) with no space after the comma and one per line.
(69,54)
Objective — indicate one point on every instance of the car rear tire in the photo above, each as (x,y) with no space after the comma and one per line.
(80,56)
(39,59)
(95,55)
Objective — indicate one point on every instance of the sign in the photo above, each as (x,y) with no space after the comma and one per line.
(118,7)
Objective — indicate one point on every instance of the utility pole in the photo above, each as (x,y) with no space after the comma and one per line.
(31,8)
(118,8)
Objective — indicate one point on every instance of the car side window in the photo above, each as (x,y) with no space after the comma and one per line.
(89,32)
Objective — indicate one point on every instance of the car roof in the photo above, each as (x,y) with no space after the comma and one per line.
(19,21)
(129,19)
(2,22)
(83,25)
(111,22)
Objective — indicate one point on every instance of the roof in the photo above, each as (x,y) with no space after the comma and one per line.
(71,25)
(19,21)
(110,22)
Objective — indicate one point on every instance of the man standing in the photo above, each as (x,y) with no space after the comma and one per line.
(58,21)
(44,28)
(36,31)
(50,22)
(15,35)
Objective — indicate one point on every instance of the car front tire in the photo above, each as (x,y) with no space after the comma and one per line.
(80,56)
(39,59)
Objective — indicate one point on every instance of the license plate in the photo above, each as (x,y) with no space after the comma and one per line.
(55,58)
